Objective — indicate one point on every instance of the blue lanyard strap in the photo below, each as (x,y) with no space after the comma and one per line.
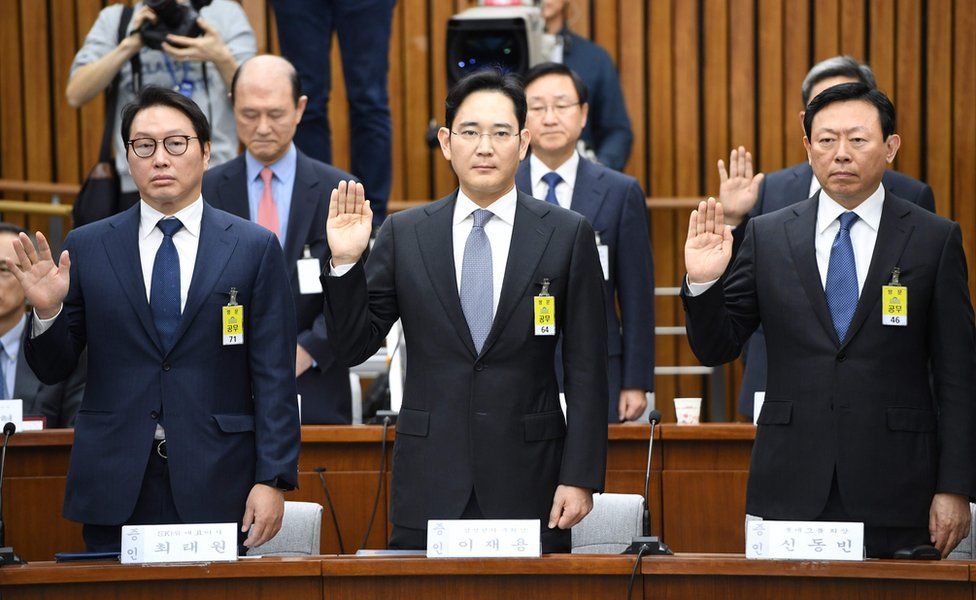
(172,71)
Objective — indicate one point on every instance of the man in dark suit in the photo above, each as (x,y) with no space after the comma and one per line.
(474,279)
(607,132)
(56,403)
(745,195)
(613,203)
(190,412)
(853,428)
(268,108)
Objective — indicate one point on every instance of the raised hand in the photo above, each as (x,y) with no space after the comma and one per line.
(45,284)
(738,189)
(709,246)
(350,223)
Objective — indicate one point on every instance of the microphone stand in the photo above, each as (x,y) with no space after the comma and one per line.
(7,554)
(648,544)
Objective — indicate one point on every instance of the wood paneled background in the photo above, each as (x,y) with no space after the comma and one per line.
(699,76)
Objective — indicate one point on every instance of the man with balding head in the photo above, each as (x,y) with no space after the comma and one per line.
(275,185)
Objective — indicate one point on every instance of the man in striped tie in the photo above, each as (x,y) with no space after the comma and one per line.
(862,295)
(480,433)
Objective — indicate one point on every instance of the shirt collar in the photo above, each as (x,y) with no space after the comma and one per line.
(567,170)
(503,208)
(11,339)
(190,216)
(868,211)
(283,168)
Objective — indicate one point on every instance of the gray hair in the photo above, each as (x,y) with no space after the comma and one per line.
(837,66)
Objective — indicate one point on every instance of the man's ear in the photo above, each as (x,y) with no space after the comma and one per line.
(525,137)
(444,137)
(892,144)
(806,146)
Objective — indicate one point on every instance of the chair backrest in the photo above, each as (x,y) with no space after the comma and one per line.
(612,524)
(964,551)
(299,534)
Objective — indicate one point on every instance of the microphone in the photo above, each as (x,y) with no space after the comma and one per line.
(646,543)
(7,554)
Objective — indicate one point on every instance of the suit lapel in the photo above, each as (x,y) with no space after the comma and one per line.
(530,236)
(232,191)
(435,235)
(587,194)
(215,247)
(303,199)
(523,177)
(801,232)
(893,234)
(122,248)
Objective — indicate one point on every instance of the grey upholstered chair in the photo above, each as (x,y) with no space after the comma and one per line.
(612,524)
(299,535)
(965,550)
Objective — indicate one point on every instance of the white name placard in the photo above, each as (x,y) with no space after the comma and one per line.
(483,538)
(12,411)
(197,542)
(804,540)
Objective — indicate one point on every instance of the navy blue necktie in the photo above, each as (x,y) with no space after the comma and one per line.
(841,288)
(552,179)
(164,293)
(4,392)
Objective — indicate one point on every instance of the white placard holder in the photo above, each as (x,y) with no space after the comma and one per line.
(12,411)
(484,538)
(757,402)
(195,542)
(804,540)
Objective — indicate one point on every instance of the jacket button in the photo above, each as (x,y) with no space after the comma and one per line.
(479,366)
(166,366)
(154,415)
(841,357)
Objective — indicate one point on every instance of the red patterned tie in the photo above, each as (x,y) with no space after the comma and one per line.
(267,210)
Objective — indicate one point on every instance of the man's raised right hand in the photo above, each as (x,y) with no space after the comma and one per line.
(350,223)
(45,284)
(708,250)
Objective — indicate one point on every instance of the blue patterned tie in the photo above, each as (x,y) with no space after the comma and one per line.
(841,286)
(476,288)
(164,293)
(552,179)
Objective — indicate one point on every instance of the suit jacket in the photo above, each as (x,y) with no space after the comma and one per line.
(607,129)
(326,397)
(58,403)
(230,412)
(862,407)
(613,203)
(781,189)
(490,422)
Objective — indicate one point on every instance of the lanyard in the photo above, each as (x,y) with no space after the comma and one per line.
(184,87)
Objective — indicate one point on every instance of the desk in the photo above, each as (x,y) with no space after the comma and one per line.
(697,484)
(681,577)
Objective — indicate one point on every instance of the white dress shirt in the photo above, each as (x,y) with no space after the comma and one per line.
(498,230)
(564,189)
(864,235)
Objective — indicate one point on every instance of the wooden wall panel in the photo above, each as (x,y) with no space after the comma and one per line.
(698,77)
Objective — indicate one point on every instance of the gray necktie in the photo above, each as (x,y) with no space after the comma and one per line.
(476,290)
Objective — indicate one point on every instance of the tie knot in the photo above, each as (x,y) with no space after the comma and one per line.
(552,179)
(847,219)
(169,226)
(266,175)
(481,216)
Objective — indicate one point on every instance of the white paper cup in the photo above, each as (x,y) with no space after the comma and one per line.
(688,410)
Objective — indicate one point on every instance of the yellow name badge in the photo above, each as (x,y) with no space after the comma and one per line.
(233,321)
(545,311)
(894,305)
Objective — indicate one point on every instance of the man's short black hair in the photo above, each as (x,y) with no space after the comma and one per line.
(552,68)
(836,66)
(296,86)
(154,95)
(11,228)
(487,80)
(852,91)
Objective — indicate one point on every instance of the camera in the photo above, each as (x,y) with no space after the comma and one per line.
(508,38)
(171,17)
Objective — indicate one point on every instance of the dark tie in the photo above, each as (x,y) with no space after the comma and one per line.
(164,294)
(4,392)
(552,179)
(476,286)
(841,288)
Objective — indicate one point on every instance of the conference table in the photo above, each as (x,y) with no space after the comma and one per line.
(683,576)
(697,495)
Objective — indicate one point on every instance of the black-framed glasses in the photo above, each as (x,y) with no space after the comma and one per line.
(175,145)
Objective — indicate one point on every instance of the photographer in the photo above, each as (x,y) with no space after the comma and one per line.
(199,65)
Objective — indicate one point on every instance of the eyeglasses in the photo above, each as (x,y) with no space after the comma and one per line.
(562,110)
(176,145)
(472,136)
